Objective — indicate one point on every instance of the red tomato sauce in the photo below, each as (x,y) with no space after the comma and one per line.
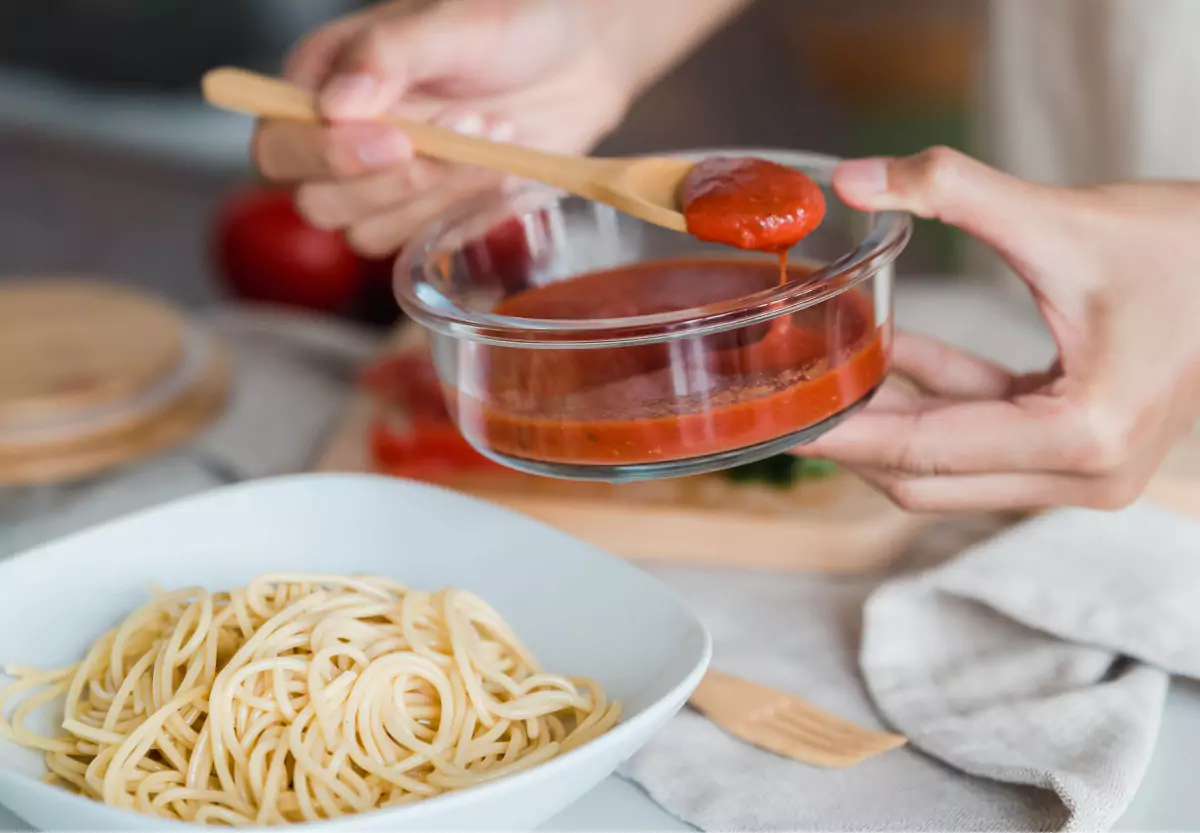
(750,203)
(672,400)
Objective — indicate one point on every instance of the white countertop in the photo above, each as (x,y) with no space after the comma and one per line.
(952,309)
(1167,800)
(170,127)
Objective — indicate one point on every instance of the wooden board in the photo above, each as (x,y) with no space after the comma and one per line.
(1177,484)
(834,525)
(838,525)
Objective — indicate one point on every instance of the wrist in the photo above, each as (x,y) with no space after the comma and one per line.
(641,40)
(603,31)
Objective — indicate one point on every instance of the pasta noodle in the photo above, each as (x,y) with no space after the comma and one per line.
(300,697)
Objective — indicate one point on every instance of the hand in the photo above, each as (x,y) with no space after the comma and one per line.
(537,71)
(1112,271)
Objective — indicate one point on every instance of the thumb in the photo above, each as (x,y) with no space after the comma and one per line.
(377,66)
(1002,211)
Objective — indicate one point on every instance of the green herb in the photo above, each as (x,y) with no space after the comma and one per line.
(742,474)
(781,471)
(810,468)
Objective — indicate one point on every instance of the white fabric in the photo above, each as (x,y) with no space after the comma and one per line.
(1087,91)
(1007,668)
(1080,92)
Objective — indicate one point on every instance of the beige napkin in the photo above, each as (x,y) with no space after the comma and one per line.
(1029,673)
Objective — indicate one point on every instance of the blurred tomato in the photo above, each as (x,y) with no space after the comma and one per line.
(265,251)
(410,382)
(502,256)
(379,270)
(377,305)
(424,450)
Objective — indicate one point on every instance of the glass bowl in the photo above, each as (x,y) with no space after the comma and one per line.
(574,341)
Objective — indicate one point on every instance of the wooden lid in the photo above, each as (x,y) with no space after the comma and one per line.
(68,346)
(174,424)
(94,376)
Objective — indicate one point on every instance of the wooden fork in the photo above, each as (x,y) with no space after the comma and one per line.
(786,725)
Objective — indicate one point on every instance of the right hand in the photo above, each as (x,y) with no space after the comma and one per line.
(533,71)
(1108,267)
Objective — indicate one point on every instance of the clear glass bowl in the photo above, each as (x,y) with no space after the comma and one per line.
(706,363)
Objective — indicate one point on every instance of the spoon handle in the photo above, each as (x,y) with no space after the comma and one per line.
(249,92)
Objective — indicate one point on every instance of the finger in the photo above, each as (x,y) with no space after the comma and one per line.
(895,395)
(289,151)
(1009,214)
(311,60)
(1001,492)
(385,233)
(1035,434)
(339,204)
(1039,380)
(381,62)
(946,371)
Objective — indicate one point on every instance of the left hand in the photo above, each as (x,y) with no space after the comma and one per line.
(542,72)
(1113,272)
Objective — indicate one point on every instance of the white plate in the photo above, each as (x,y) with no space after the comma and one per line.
(580,611)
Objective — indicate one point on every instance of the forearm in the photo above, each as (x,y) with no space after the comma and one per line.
(647,38)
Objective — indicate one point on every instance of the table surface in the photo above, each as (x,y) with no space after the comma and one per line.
(1167,800)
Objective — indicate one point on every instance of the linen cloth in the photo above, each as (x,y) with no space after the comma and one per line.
(1029,674)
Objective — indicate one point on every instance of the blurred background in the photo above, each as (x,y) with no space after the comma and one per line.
(112,168)
(112,165)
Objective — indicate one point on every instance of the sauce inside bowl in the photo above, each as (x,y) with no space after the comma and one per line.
(672,400)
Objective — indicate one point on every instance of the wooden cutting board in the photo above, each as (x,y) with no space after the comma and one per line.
(835,525)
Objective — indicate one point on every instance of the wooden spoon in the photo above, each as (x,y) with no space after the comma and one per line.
(645,187)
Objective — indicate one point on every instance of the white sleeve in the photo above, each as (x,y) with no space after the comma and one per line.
(1086,91)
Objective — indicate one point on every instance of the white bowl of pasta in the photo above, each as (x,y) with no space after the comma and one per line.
(337,651)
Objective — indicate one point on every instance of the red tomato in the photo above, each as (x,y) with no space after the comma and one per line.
(265,251)
(378,302)
(424,450)
(379,270)
(502,256)
(408,381)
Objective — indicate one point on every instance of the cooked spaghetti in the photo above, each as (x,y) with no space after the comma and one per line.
(301,697)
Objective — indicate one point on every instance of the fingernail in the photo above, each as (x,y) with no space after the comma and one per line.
(381,151)
(346,95)
(468,124)
(502,131)
(864,176)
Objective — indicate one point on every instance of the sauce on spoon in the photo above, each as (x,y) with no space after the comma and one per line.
(751,204)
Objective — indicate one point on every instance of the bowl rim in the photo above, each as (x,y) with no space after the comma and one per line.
(888,236)
(419,811)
